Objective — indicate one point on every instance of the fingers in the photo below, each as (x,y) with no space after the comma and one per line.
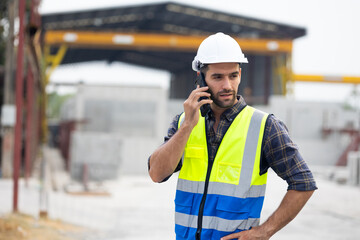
(192,104)
(196,102)
(198,93)
(198,89)
(231,236)
(204,101)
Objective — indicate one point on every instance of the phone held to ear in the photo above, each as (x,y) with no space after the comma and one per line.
(204,109)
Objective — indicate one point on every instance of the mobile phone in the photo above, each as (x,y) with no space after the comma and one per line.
(204,109)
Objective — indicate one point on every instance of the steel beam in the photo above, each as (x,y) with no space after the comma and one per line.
(326,79)
(153,41)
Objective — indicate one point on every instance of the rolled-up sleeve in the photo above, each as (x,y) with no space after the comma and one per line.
(281,154)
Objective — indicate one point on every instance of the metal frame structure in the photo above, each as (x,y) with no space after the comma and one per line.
(166,36)
(29,99)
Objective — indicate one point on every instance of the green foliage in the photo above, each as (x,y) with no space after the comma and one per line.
(352,100)
(55,102)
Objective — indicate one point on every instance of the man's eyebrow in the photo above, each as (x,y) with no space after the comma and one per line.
(217,74)
(222,74)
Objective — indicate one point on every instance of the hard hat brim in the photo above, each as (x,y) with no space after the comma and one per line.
(196,64)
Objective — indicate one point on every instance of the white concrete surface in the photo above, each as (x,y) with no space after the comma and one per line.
(140,209)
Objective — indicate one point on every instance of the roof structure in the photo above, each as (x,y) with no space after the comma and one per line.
(173,18)
(166,36)
(166,19)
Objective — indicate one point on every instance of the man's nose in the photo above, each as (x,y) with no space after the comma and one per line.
(226,83)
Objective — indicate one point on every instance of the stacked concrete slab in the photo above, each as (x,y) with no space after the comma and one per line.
(120,128)
(306,122)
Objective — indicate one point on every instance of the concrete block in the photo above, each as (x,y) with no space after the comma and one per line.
(354,168)
(99,152)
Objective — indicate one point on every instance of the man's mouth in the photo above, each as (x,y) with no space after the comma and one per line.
(226,95)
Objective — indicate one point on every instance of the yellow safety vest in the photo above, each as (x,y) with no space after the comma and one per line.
(226,196)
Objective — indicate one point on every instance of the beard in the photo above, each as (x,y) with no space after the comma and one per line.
(220,103)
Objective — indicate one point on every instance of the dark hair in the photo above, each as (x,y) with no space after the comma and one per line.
(204,69)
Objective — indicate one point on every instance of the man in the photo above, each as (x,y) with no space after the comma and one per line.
(224,155)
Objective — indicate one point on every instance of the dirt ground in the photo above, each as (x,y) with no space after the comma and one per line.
(24,227)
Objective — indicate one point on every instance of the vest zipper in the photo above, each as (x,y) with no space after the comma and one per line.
(202,203)
(203,199)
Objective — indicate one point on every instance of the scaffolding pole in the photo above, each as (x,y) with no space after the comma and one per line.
(19,105)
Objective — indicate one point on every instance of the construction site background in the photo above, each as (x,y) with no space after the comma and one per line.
(81,172)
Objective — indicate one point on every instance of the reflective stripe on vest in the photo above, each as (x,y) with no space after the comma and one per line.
(236,190)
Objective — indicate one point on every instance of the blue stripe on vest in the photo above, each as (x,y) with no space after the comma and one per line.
(184,233)
(217,205)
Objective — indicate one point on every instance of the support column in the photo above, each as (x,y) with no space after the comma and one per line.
(19,105)
(29,122)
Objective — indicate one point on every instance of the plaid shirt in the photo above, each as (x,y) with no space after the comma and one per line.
(278,151)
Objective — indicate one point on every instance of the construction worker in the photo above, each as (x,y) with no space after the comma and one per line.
(223,152)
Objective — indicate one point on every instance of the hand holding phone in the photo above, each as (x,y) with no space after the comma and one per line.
(204,109)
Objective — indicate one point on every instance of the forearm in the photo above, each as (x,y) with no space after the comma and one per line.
(165,159)
(290,206)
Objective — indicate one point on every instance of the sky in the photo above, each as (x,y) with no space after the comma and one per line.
(331,46)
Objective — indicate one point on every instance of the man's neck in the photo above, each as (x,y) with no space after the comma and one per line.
(217,114)
(217,111)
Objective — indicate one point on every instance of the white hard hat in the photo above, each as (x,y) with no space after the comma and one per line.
(218,48)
